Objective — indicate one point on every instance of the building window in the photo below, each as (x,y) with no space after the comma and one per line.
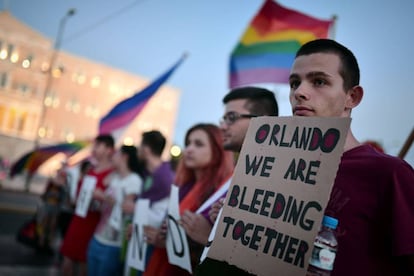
(92,111)
(73,105)
(4,80)
(51,100)
(68,135)
(24,89)
(95,82)
(27,62)
(79,77)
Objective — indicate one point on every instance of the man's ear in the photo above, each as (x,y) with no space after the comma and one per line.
(355,95)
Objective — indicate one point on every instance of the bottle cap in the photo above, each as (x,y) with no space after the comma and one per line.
(330,222)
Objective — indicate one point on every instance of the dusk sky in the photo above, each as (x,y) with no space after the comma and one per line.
(146,37)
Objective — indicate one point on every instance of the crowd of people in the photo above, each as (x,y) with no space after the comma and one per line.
(371,197)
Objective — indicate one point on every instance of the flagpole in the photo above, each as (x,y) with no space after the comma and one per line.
(407,145)
(332,31)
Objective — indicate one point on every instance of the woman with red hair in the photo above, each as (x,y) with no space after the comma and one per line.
(202,170)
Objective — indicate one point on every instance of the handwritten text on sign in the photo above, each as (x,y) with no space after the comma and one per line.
(275,204)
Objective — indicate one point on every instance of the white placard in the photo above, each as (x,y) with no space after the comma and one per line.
(85,195)
(72,177)
(177,244)
(137,247)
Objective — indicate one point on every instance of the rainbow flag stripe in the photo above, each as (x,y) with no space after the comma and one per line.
(267,48)
(31,161)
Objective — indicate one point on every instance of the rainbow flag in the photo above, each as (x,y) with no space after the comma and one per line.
(267,49)
(31,161)
(119,117)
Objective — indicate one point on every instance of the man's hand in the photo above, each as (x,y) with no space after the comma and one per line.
(156,236)
(215,209)
(196,227)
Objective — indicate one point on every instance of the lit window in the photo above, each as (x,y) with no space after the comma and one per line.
(70,137)
(96,81)
(57,72)
(55,102)
(48,101)
(42,132)
(14,57)
(27,62)
(51,99)
(81,79)
(73,105)
(3,54)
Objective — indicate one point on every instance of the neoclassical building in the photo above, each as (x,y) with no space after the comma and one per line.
(80,92)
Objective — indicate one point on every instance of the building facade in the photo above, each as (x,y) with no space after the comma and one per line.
(44,105)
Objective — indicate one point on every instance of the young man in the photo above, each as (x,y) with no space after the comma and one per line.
(81,229)
(373,192)
(158,177)
(241,104)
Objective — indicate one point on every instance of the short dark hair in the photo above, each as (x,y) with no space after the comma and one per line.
(155,141)
(133,162)
(105,139)
(260,101)
(349,69)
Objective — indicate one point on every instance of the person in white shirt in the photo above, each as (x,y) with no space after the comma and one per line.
(125,185)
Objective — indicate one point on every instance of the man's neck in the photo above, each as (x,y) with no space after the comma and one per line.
(153,164)
(103,165)
(350,141)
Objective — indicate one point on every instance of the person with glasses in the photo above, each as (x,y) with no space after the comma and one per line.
(240,105)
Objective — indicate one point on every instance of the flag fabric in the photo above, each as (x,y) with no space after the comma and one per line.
(267,48)
(119,117)
(31,161)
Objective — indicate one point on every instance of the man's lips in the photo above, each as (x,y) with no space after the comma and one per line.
(302,110)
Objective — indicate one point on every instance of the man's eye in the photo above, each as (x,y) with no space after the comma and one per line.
(294,84)
(319,82)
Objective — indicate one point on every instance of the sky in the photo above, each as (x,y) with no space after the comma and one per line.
(147,36)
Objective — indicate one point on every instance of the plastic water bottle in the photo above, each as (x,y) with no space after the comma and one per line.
(324,249)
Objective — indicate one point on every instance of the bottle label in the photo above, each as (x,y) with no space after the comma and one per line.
(322,257)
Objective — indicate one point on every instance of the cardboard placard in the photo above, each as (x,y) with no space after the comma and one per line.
(177,244)
(137,246)
(85,195)
(276,201)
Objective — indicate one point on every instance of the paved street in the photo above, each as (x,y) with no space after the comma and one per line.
(16,207)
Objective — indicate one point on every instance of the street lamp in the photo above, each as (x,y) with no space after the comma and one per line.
(48,84)
(49,77)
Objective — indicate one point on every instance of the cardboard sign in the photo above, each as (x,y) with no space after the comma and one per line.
(177,244)
(137,246)
(85,195)
(281,186)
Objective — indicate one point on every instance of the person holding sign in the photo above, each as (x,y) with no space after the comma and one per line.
(81,228)
(203,169)
(125,185)
(158,177)
(241,104)
(372,197)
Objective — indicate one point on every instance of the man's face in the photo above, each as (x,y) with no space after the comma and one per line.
(316,87)
(100,151)
(234,132)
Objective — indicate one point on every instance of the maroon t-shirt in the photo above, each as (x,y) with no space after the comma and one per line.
(373,200)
